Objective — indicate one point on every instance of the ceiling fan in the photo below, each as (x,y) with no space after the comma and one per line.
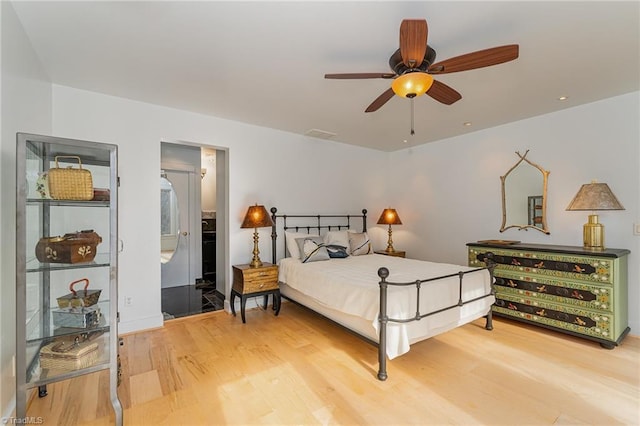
(413,66)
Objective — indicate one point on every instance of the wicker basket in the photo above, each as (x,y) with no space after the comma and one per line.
(69,183)
(67,355)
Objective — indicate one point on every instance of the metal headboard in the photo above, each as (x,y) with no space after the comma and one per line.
(315,223)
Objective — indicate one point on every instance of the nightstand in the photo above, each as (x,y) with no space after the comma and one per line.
(250,282)
(396,253)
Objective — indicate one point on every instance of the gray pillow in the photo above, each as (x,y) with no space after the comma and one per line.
(337,251)
(312,249)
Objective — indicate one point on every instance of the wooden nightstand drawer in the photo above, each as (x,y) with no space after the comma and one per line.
(259,285)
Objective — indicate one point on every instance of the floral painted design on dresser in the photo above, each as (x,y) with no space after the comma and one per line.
(578,294)
(580,267)
(576,320)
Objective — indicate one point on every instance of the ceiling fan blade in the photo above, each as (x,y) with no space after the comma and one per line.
(443,93)
(380,100)
(358,75)
(413,41)
(479,59)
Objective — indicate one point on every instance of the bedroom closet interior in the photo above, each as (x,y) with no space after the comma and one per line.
(189,182)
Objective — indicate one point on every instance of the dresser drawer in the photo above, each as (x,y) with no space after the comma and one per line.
(597,297)
(567,266)
(580,321)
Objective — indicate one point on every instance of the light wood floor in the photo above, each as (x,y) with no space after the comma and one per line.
(300,369)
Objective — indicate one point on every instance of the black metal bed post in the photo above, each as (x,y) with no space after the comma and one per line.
(364,220)
(383,273)
(491,265)
(274,235)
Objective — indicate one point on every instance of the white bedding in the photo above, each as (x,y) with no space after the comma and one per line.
(349,287)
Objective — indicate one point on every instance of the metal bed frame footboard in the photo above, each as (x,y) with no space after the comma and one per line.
(383,319)
(383,273)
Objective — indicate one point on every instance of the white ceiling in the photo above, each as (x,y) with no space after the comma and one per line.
(264,62)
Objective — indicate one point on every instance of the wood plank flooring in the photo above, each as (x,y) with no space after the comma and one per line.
(300,369)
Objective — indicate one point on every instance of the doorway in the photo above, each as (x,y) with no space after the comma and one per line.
(192,275)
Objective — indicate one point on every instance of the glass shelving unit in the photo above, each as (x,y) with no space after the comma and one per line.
(41,355)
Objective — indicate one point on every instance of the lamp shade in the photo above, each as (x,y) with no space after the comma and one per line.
(595,196)
(412,84)
(256,217)
(389,217)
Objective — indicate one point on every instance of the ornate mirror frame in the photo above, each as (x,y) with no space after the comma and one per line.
(545,174)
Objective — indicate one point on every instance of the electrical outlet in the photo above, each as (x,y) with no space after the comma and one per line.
(636,229)
(128,301)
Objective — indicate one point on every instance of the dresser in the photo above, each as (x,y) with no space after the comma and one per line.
(564,288)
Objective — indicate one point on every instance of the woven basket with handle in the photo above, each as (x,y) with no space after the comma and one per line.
(70,183)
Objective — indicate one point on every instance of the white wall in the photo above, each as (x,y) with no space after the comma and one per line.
(448,192)
(292,172)
(25,106)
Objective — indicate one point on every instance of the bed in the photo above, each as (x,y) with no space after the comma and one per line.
(389,301)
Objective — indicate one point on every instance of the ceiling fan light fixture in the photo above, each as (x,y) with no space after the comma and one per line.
(413,84)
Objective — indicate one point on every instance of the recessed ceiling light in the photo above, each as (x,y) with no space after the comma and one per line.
(563,98)
(405,141)
(467,123)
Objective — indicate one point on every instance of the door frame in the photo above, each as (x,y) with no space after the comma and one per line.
(223,284)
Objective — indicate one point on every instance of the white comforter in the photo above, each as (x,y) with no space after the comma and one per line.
(350,286)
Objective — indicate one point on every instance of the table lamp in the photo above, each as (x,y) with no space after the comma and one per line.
(594,196)
(389,217)
(256,217)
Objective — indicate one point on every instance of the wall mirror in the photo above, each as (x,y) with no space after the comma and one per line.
(524,196)
(169,220)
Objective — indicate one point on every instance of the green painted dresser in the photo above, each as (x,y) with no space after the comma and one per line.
(568,289)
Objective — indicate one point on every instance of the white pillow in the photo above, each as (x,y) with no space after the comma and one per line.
(359,243)
(338,238)
(292,246)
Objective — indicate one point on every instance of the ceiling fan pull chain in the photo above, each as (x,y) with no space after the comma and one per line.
(412,131)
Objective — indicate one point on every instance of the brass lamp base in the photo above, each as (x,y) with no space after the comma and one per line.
(255,262)
(390,248)
(593,234)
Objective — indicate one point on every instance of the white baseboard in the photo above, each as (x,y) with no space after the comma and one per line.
(141,324)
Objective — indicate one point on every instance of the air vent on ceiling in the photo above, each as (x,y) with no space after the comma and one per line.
(320,134)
